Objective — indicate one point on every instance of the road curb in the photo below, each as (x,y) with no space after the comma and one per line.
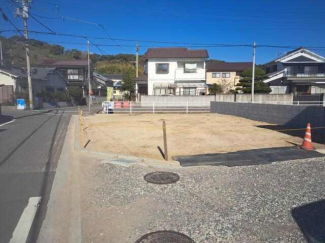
(60,186)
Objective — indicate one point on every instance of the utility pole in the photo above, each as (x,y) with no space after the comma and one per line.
(1,55)
(89,85)
(253,72)
(23,13)
(137,59)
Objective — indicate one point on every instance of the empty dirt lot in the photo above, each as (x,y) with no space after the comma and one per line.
(188,134)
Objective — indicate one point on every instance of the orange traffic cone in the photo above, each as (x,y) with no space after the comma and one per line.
(307,144)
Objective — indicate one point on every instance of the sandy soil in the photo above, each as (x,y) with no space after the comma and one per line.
(140,135)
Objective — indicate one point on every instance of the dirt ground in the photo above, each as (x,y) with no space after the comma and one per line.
(193,134)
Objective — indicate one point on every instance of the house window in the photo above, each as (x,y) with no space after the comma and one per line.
(225,75)
(162,68)
(189,91)
(166,91)
(75,74)
(311,69)
(190,67)
(215,75)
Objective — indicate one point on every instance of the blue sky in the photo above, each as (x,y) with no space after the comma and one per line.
(272,22)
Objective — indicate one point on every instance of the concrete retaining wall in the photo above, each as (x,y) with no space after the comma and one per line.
(287,115)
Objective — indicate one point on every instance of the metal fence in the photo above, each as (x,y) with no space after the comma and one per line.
(137,107)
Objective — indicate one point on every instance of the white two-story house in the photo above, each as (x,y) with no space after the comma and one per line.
(173,71)
(301,72)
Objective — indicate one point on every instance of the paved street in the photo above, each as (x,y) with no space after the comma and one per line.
(29,151)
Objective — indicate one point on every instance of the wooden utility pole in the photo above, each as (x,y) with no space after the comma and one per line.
(89,84)
(1,55)
(253,73)
(137,59)
(165,141)
(24,15)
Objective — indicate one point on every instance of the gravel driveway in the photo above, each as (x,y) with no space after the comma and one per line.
(208,204)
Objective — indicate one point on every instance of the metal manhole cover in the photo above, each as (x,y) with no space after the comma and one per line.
(161,177)
(165,237)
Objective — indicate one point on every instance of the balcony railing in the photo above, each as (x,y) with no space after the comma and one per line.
(305,75)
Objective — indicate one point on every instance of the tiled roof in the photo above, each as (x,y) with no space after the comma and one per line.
(73,63)
(113,76)
(175,53)
(40,73)
(228,66)
(143,77)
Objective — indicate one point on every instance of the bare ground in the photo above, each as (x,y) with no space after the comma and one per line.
(140,135)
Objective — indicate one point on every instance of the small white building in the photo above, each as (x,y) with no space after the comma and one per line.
(173,71)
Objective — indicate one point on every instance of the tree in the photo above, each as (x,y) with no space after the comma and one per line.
(57,50)
(128,82)
(74,53)
(215,89)
(75,93)
(245,84)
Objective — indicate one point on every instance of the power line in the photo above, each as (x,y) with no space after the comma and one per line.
(84,22)
(206,45)
(5,17)
(12,1)
(43,17)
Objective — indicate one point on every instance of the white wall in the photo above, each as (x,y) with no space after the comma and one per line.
(279,89)
(175,68)
(7,80)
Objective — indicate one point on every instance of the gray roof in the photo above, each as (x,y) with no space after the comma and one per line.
(72,63)
(113,76)
(40,73)
(175,52)
(228,66)
(143,77)
(100,76)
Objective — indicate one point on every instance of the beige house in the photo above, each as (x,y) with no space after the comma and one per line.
(226,74)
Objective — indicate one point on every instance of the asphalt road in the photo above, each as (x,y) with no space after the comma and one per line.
(29,151)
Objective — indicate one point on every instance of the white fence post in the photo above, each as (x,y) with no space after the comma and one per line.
(130,107)
(298,102)
(187,107)
(153,107)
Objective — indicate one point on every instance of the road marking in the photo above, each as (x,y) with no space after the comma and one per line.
(26,220)
(7,123)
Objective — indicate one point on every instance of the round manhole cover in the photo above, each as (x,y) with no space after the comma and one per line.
(161,177)
(165,237)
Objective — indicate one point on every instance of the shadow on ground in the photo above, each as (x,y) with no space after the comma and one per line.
(318,134)
(4,119)
(248,157)
(311,221)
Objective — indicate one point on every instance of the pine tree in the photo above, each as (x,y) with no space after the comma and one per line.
(245,83)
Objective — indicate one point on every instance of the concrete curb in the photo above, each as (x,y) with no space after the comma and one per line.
(111,157)
(61,182)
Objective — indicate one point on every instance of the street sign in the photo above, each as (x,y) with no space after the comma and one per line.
(21,104)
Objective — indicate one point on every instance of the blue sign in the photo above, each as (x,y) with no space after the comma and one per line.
(21,104)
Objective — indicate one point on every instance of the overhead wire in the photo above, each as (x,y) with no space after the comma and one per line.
(5,17)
